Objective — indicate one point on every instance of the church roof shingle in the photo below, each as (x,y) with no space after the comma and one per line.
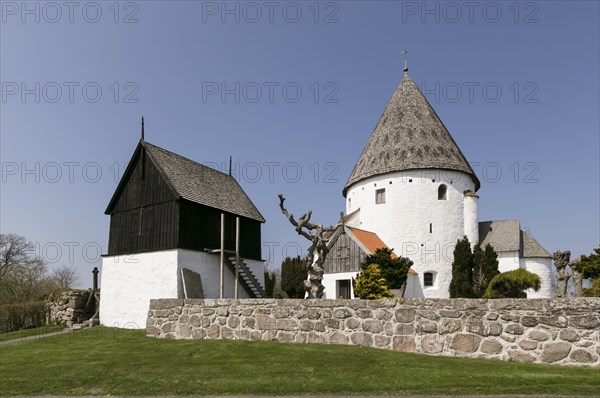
(201,184)
(409,136)
(507,236)
(531,247)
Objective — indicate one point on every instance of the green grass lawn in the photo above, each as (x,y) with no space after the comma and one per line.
(31,332)
(104,361)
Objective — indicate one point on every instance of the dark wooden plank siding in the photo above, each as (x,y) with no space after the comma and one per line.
(145,186)
(200,228)
(145,214)
(344,256)
(149,228)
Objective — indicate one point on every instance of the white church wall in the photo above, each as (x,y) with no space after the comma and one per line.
(258,269)
(471,219)
(508,261)
(130,281)
(413,221)
(208,265)
(413,287)
(543,268)
(330,283)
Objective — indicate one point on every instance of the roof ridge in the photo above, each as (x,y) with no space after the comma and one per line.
(363,230)
(198,183)
(185,158)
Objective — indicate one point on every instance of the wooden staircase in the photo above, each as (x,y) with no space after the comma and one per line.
(246,277)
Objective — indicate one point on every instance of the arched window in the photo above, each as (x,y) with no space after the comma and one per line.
(428,279)
(443,192)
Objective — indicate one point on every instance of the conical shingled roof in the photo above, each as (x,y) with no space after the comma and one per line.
(409,136)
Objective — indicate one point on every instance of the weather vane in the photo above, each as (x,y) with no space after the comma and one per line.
(405,63)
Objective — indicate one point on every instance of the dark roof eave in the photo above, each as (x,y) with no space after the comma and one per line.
(350,184)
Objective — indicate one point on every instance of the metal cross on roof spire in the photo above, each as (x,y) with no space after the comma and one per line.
(405,63)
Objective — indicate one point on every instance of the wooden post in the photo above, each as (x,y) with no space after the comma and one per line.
(237,256)
(221,286)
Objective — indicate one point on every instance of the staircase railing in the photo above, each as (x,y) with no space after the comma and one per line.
(247,278)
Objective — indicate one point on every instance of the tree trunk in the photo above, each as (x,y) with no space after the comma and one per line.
(314,233)
(561,261)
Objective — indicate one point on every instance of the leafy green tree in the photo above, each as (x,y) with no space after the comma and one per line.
(393,269)
(461,284)
(270,281)
(485,268)
(589,266)
(293,274)
(512,284)
(371,285)
(593,291)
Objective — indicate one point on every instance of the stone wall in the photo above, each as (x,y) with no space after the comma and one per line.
(564,332)
(68,307)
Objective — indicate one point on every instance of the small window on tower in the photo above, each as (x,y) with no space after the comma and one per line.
(428,279)
(380,196)
(443,192)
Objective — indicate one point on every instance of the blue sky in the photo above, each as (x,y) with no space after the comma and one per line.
(292,90)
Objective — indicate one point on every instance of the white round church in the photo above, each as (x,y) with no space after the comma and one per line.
(413,191)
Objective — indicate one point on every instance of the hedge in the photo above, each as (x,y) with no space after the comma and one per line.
(23,315)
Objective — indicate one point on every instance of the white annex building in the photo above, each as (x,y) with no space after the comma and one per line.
(170,219)
(413,191)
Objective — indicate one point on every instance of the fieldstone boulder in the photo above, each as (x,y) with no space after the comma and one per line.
(528,344)
(432,344)
(585,321)
(465,342)
(568,335)
(491,346)
(520,356)
(363,339)
(539,335)
(582,356)
(404,343)
(405,315)
(338,338)
(555,352)
(450,326)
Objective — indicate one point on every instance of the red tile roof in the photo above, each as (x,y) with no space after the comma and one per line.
(372,242)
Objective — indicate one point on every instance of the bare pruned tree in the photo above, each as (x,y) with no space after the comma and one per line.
(316,234)
(65,277)
(561,261)
(23,276)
